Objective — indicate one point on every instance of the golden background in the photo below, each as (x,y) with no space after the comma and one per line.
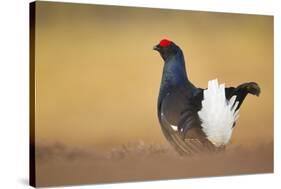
(97,77)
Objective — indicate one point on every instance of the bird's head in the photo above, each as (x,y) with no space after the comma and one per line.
(166,48)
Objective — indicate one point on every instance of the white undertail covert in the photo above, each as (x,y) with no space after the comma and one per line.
(218,114)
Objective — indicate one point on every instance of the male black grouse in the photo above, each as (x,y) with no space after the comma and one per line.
(195,119)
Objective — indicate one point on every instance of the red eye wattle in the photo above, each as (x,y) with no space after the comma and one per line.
(165,42)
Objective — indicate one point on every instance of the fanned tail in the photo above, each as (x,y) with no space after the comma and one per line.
(218,114)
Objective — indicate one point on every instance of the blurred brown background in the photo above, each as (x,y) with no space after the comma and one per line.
(97,77)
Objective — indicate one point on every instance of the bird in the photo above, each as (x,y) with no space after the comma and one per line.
(193,119)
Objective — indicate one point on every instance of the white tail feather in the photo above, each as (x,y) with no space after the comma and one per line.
(218,114)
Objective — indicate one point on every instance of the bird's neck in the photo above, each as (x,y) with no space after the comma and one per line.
(174,72)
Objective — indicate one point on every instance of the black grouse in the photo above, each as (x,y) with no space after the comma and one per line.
(195,119)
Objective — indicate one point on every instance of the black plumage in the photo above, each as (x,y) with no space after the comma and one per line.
(179,102)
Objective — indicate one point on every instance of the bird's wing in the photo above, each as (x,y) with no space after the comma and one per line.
(181,125)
